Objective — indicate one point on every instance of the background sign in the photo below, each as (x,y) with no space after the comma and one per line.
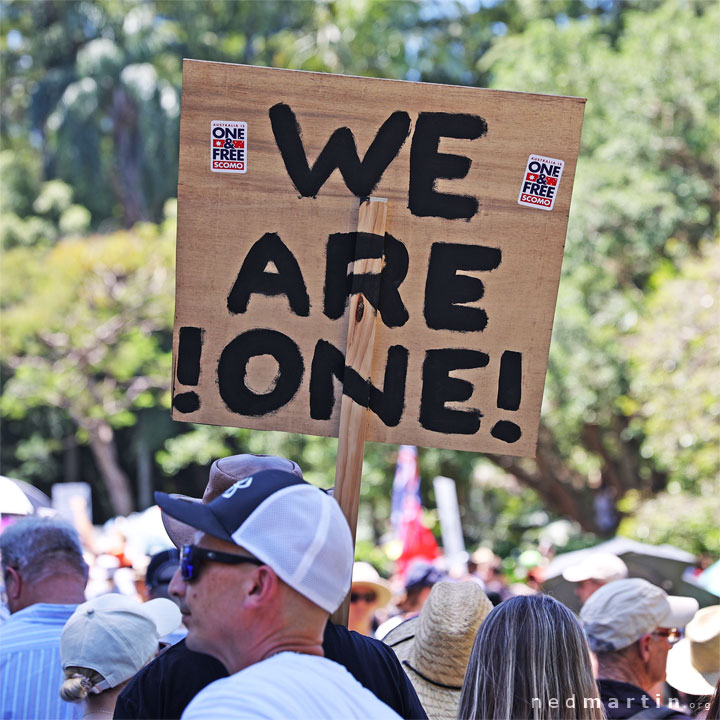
(273,164)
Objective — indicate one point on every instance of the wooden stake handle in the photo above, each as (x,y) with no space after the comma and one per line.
(372,217)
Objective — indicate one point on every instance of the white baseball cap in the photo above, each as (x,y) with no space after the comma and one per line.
(621,612)
(597,566)
(116,635)
(284,521)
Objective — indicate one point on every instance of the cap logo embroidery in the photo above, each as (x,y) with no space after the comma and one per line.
(239,485)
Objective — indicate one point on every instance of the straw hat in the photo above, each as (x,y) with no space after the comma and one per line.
(693,665)
(365,574)
(434,647)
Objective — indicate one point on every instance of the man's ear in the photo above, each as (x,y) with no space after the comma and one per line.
(644,647)
(13,583)
(265,585)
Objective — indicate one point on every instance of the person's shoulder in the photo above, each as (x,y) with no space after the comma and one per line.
(223,698)
(387,626)
(41,615)
(179,662)
(168,683)
(29,626)
(291,667)
(375,666)
(338,639)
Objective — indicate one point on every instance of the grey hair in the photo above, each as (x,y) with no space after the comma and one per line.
(530,661)
(40,547)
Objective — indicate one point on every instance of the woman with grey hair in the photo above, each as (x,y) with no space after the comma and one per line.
(530,661)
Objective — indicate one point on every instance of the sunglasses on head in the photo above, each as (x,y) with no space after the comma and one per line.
(368,597)
(672,635)
(192,558)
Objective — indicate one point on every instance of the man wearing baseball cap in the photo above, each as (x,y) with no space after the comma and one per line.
(272,558)
(630,626)
(595,570)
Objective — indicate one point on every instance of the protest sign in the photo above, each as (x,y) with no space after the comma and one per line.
(273,166)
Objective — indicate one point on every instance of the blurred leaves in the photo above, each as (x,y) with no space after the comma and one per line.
(89,128)
(646,193)
(675,356)
(685,521)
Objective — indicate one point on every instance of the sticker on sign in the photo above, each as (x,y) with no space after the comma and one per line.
(228,146)
(541,182)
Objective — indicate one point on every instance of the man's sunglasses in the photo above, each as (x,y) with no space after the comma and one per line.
(672,635)
(192,558)
(368,597)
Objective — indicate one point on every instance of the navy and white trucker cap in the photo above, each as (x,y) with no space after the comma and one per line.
(292,526)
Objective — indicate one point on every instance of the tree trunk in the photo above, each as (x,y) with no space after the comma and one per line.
(128,157)
(567,492)
(144,472)
(102,444)
(70,459)
(563,490)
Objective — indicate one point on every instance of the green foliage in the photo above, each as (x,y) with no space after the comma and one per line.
(53,199)
(368,551)
(89,131)
(20,174)
(86,326)
(675,355)
(685,521)
(644,175)
(35,213)
(97,85)
(75,220)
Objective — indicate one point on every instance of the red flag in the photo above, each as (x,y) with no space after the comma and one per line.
(418,541)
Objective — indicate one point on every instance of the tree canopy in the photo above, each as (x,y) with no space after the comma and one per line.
(89,129)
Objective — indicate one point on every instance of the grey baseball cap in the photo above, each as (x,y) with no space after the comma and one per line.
(621,612)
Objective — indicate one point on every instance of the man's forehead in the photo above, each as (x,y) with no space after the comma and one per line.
(205,540)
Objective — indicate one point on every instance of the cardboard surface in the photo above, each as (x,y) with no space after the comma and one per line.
(261,306)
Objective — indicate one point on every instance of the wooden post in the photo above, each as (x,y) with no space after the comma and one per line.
(372,217)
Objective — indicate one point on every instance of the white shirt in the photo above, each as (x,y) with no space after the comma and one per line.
(289,685)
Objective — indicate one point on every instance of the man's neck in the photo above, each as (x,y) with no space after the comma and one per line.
(271,644)
(54,590)
(624,670)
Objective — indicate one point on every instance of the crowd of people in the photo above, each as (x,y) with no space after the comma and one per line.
(236,622)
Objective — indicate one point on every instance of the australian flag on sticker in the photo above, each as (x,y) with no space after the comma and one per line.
(541,182)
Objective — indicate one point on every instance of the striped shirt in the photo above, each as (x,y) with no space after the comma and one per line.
(30,669)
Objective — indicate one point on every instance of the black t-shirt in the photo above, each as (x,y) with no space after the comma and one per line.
(623,700)
(165,687)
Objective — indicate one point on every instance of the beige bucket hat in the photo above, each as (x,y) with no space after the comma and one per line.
(597,566)
(693,665)
(434,647)
(223,473)
(365,574)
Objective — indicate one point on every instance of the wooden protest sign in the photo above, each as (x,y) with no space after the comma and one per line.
(273,165)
